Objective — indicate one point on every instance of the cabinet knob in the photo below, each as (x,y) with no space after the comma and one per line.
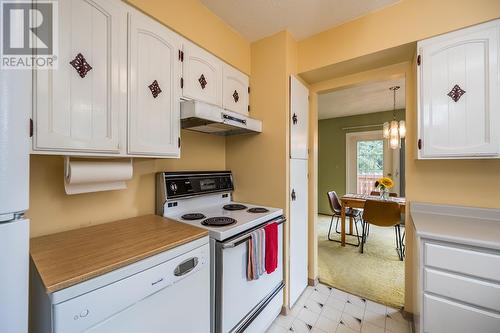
(236,97)
(155,88)
(81,65)
(455,93)
(203,81)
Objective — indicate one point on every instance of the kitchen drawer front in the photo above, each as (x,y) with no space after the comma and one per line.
(441,315)
(467,261)
(469,290)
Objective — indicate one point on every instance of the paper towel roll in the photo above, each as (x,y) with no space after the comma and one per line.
(95,176)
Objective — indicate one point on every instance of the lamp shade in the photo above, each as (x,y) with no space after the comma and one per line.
(385,130)
(402,129)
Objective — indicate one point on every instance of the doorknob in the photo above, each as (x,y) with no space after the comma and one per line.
(293,195)
(294,119)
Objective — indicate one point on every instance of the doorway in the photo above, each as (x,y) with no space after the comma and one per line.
(353,155)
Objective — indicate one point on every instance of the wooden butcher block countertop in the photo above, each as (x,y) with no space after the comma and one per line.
(67,258)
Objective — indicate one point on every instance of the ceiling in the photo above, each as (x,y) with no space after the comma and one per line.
(255,19)
(366,98)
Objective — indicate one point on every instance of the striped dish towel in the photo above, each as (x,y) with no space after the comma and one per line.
(256,256)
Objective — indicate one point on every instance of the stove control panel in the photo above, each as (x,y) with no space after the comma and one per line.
(174,185)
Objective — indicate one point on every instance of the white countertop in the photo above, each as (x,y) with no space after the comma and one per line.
(465,225)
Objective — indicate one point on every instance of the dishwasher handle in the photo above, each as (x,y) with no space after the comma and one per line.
(186,266)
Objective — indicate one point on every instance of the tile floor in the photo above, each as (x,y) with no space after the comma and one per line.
(322,309)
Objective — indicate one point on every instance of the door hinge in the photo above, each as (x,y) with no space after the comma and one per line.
(249,89)
(179,142)
(419,60)
(248,108)
(419,144)
(181,56)
(31,127)
(182,82)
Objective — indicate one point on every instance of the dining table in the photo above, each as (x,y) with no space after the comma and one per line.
(351,200)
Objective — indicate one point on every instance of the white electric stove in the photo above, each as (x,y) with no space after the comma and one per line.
(203,199)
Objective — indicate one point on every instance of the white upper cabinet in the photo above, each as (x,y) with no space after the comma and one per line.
(154,89)
(459,92)
(299,119)
(235,90)
(79,111)
(202,75)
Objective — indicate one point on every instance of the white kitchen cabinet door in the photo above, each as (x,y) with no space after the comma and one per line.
(299,119)
(459,93)
(202,75)
(154,112)
(235,90)
(80,111)
(298,228)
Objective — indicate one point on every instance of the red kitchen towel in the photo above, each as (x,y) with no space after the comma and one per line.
(271,247)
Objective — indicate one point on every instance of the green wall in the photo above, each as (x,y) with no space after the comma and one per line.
(332,151)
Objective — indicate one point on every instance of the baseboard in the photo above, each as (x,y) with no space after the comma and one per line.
(284,310)
(409,316)
(312,282)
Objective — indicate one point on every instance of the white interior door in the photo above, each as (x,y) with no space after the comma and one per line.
(369,157)
(299,118)
(298,228)
(154,88)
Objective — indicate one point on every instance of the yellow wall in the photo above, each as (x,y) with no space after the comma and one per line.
(260,162)
(51,210)
(405,22)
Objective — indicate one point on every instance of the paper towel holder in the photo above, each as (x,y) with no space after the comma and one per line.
(91,176)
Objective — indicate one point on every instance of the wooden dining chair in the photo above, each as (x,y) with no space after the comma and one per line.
(383,214)
(336,208)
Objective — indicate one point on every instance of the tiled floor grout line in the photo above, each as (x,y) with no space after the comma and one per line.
(346,321)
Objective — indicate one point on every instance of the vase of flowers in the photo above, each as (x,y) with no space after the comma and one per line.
(383,185)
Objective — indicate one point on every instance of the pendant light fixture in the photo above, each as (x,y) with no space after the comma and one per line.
(395,130)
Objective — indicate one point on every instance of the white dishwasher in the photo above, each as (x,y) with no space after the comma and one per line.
(168,292)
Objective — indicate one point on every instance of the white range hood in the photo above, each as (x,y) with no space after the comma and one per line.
(207,118)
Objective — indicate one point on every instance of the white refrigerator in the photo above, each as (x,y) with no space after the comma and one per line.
(15,106)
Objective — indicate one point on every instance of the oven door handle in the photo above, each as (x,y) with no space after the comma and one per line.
(246,237)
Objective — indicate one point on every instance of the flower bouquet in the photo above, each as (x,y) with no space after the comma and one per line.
(383,185)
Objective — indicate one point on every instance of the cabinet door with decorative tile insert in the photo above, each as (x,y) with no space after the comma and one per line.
(459,92)
(77,105)
(201,75)
(235,90)
(154,86)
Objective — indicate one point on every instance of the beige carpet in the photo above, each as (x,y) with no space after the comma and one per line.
(377,274)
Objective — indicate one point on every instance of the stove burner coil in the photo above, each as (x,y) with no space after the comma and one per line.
(258,210)
(193,216)
(218,221)
(234,207)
